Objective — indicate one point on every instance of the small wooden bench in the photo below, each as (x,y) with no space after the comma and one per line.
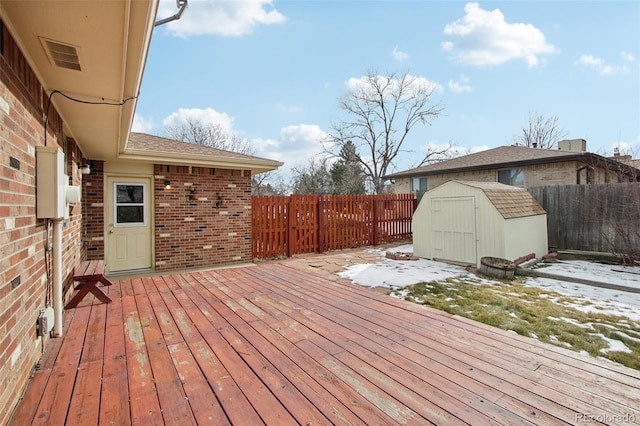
(88,274)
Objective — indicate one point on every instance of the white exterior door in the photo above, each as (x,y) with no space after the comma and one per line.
(453,230)
(128,227)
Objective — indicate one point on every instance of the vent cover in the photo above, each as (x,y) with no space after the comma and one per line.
(62,55)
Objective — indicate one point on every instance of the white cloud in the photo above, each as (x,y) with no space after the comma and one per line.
(205,116)
(141,124)
(215,17)
(590,60)
(302,137)
(414,84)
(299,141)
(478,148)
(485,38)
(629,57)
(399,55)
(628,148)
(601,66)
(460,86)
(295,145)
(290,109)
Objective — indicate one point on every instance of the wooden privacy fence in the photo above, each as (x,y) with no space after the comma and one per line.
(284,226)
(596,217)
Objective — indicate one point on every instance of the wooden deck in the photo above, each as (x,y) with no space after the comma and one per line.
(271,344)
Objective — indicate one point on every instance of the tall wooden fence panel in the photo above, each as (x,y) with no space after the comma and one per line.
(602,217)
(284,226)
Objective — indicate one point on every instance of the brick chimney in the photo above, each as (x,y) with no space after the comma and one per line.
(573,145)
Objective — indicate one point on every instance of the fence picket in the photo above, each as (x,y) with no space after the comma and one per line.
(285,226)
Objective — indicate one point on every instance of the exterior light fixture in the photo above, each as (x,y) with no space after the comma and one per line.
(84,169)
(193,193)
(220,201)
(167,184)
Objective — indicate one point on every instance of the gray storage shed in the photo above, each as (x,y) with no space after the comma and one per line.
(462,221)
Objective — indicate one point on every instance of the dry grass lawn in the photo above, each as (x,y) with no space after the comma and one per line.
(533,312)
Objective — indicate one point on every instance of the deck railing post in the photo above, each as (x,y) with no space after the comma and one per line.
(290,203)
(321,225)
(374,206)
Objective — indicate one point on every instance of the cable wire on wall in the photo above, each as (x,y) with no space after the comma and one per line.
(82,101)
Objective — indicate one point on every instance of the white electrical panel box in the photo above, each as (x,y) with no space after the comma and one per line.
(53,193)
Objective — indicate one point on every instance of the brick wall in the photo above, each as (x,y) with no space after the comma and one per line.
(562,173)
(22,268)
(93,208)
(209,230)
(475,176)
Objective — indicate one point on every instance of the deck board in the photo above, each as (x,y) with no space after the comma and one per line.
(271,344)
(455,354)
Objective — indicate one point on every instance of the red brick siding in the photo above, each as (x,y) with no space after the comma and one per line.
(196,233)
(22,242)
(93,207)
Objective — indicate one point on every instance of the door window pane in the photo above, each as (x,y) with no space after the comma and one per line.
(129,204)
(129,194)
(130,214)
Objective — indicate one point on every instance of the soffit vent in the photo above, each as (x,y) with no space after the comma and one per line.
(62,55)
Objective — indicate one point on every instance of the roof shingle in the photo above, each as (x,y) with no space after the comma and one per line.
(502,156)
(155,148)
(510,201)
(155,144)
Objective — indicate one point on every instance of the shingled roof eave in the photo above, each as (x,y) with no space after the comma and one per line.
(255,164)
(158,149)
(581,156)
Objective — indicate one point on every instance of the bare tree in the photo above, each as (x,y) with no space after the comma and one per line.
(382,111)
(435,153)
(540,132)
(208,134)
(615,207)
(269,183)
(312,178)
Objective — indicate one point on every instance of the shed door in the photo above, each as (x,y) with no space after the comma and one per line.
(453,229)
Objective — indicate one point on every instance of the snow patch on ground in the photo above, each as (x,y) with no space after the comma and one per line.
(614,345)
(628,276)
(400,273)
(396,274)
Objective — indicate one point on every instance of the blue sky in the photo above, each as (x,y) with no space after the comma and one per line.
(272,71)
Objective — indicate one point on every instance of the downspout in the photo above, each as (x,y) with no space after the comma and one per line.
(182,4)
(58,309)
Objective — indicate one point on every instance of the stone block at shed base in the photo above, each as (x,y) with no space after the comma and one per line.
(400,256)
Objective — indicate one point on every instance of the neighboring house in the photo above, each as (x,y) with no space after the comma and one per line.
(52,52)
(626,159)
(519,166)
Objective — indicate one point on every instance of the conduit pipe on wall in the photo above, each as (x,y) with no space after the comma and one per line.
(57,277)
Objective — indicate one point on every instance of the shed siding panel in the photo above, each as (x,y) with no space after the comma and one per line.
(491,229)
(524,236)
(421,227)
(454,229)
